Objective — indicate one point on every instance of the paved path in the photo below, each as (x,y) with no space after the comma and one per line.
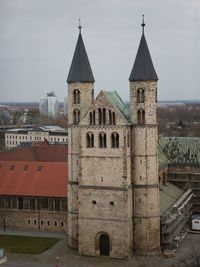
(70,258)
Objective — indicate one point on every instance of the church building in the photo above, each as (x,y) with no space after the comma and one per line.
(113,188)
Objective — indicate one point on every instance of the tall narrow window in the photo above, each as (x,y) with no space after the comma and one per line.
(110,117)
(104,116)
(141,116)
(76,116)
(90,140)
(102,140)
(113,118)
(140,95)
(91,118)
(115,140)
(100,116)
(76,96)
(94,119)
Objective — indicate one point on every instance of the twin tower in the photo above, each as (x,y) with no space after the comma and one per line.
(113,191)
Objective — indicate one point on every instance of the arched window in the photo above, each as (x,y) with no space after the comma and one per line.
(100,116)
(104,116)
(140,95)
(141,116)
(92,117)
(110,117)
(102,140)
(115,140)
(76,115)
(76,95)
(90,140)
(112,120)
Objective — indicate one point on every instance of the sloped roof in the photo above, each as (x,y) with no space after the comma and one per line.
(162,159)
(169,194)
(80,70)
(25,178)
(40,151)
(181,150)
(118,103)
(143,69)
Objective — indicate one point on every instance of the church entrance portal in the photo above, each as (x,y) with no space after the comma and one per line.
(104,245)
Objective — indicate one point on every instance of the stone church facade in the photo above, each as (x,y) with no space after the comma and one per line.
(113,189)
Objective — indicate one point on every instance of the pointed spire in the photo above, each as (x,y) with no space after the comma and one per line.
(80,70)
(143,69)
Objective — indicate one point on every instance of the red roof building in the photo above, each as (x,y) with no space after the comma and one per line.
(39,170)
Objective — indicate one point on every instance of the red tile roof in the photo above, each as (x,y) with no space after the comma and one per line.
(40,151)
(25,178)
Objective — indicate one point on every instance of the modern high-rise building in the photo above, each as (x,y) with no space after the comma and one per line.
(49,105)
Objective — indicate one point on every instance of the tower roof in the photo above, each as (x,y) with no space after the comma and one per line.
(80,70)
(143,69)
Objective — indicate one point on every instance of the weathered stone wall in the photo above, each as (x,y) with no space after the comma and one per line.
(86,99)
(34,220)
(150,102)
(146,208)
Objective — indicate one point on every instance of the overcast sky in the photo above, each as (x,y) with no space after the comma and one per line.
(38,38)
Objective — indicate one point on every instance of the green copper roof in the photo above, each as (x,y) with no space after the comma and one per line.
(116,101)
(181,150)
(162,159)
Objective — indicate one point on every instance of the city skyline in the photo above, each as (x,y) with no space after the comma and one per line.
(38,41)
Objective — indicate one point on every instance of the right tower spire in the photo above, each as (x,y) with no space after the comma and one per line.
(143,68)
(143,105)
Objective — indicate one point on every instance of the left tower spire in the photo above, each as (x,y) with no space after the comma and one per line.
(80,70)
(80,96)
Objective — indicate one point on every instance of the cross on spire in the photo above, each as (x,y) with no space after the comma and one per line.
(79,25)
(143,24)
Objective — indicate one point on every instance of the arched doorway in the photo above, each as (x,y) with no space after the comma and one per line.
(104,245)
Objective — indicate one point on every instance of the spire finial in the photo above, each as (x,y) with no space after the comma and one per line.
(143,24)
(79,25)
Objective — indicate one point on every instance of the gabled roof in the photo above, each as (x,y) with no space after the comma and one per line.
(25,178)
(40,151)
(118,103)
(80,70)
(143,69)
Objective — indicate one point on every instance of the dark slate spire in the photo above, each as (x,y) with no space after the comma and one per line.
(80,70)
(143,69)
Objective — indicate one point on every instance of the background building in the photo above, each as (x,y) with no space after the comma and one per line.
(49,105)
(24,137)
(33,191)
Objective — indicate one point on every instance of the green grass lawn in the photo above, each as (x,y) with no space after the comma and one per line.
(26,244)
